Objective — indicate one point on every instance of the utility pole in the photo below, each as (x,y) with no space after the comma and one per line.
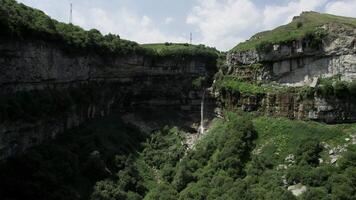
(191,38)
(71,13)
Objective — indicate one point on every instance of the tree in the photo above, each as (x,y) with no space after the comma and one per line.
(162,192)
(309,153)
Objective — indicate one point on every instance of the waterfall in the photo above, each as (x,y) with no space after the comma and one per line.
(201,127)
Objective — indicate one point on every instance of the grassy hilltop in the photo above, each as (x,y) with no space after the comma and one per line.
(308,24)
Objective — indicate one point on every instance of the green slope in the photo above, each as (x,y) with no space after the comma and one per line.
(307,24)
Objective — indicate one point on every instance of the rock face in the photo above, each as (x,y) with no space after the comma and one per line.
(84,86)
(290,105)
(300,62)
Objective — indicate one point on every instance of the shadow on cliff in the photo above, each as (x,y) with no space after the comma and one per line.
(68,167)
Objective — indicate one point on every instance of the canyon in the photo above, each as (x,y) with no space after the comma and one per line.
(91,116)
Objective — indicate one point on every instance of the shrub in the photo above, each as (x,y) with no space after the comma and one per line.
(309,153)
(264,46)
(352,88)
(299,24)
(307,93)
(199,82)
(341,89)
(315,194)
(325,90)
(315,38)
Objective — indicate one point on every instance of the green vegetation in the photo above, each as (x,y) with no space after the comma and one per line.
(284,136)
(199,82)
(236,85)
(307,25)
(22,22)
(178,50)
(327,87)
(334,87)
(239,158)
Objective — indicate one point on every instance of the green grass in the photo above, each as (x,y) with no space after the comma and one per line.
(306,23)
(283,136)
(234,84)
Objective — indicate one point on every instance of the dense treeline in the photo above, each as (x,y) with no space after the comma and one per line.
(241,157)
(180,50)
(222,165)
(20,21)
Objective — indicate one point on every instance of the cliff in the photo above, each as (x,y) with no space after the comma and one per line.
(313,45)
(46,90)
(271,72)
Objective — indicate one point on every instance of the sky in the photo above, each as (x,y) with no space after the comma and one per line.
(216,23)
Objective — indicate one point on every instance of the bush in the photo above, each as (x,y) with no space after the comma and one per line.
(199,82)
(307,93)
(325,90)
(162,192)
(264,46)
(352,88)
(315,194)
(299,24)
(308,153)
(315,38)
(341,89)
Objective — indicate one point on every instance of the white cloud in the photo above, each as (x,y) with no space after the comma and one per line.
(342,7)
(168,20)
(224,23)
(277,15)
(220,23)
(125,23)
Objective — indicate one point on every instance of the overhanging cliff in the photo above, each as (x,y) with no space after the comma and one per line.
(46,90)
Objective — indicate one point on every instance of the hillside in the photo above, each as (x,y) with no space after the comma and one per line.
(308,24)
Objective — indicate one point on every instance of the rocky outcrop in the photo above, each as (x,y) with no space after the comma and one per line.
(292,106)
(301,61)
(69,88)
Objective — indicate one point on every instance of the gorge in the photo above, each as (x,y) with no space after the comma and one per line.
(91,116)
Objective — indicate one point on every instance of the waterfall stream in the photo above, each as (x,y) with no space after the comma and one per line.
(201,127)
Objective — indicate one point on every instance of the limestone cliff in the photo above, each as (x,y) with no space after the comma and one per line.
(47,90)
(312,47)
(328,50)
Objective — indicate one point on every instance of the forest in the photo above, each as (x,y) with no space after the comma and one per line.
(241,157)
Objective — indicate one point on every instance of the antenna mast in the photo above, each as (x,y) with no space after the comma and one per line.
(71,13)
(191,38)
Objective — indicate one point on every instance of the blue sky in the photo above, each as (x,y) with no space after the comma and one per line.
(217,23)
